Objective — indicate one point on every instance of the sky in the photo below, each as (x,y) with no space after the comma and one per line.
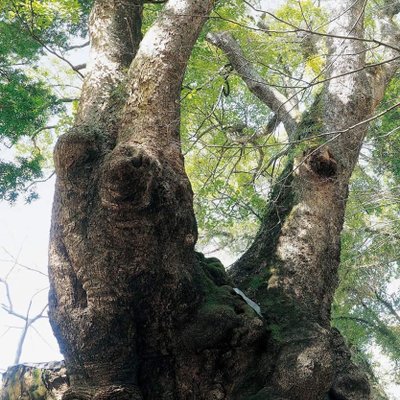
(24,235)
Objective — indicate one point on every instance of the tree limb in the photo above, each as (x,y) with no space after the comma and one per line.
(78,46)
(28,321)
(28,324)
(298,29)
(80,67)
(284,108)
(160,63)
(388,29)
(115,35)
(387,305)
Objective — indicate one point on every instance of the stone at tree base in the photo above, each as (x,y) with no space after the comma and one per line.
(41,381)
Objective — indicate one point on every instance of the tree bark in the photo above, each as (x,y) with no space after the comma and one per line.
(137,312)
(133,307)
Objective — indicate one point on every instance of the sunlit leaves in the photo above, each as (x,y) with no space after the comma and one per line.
(14,175)
(285,35)
(231,157)
(365,304)
(385,135)
(222,127)
(30,30)
(25,106)
(50,22)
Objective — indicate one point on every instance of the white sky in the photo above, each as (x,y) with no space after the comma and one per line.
(24,233)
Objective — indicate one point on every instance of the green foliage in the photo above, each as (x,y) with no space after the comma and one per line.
(26,105)
(30,30)
(15,46)
(49,22)
(365,306)
(14,175)
(150,14)
(230,159)
(385,135)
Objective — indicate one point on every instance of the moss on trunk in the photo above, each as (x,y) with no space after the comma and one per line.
(44,381)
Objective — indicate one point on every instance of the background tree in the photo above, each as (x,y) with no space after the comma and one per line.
(135,189)
(27,317)
(23,307)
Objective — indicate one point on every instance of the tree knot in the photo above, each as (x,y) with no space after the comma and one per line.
(321,161)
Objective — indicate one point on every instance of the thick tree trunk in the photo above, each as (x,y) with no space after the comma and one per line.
(138,314)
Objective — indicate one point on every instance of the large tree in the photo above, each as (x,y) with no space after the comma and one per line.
(137,312)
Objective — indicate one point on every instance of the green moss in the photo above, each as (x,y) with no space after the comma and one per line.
(215,318)
(24,383)
(276,332)
(214,283)
(216,271)
(257,282)
(213,269)
(311,123)
(218,313)
(119,93)
(36,375)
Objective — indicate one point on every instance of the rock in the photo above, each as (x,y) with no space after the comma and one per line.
(41,381)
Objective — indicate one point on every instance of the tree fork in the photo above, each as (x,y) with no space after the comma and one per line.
(124,277)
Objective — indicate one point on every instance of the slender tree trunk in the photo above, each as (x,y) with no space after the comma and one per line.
(138,314)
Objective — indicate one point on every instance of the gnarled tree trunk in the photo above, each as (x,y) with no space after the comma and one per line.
(138,314)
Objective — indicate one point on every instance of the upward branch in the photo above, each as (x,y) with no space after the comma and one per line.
(155,76)
(115,34)
(347,97)
(285,109)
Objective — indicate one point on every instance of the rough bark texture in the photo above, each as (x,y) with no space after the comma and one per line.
(133,307)
(138,314)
